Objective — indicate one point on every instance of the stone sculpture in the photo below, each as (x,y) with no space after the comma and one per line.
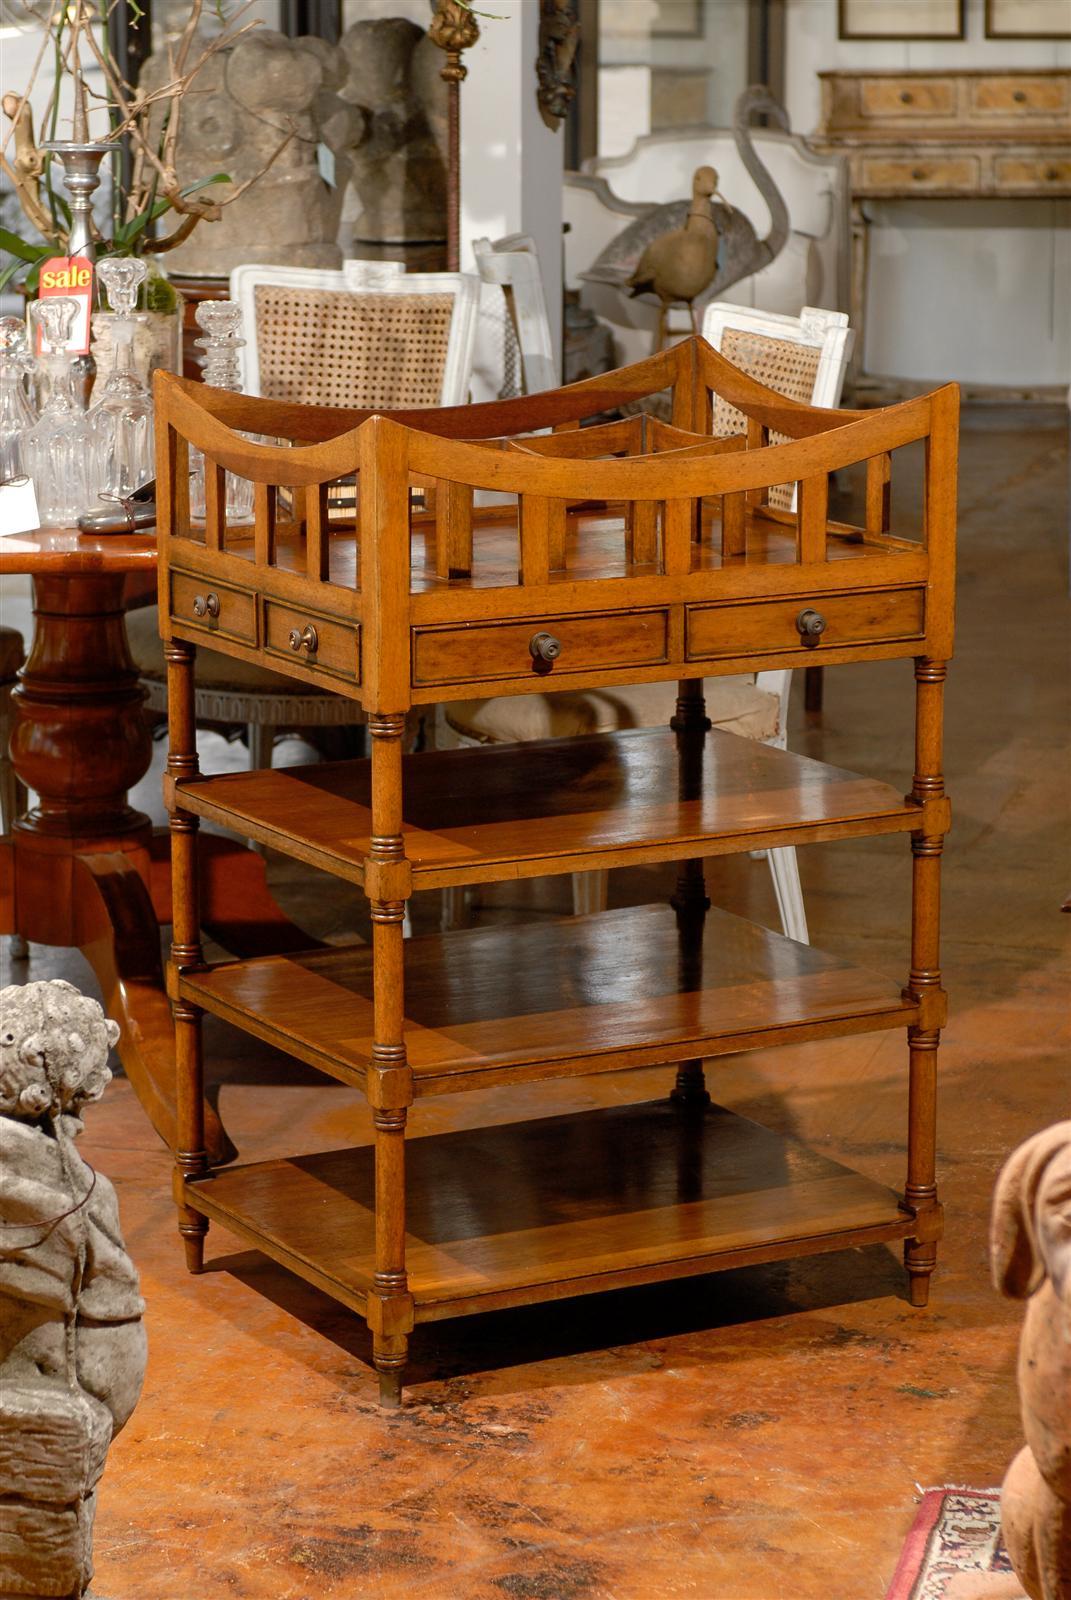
(263,107)
(396,156)
(1030,1250)
(740,251)
(72,1342)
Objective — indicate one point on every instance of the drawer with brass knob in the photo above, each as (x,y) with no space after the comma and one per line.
(893,175)
(546,647)
(312,640)
(793,623)
(1050,174)
(218,608)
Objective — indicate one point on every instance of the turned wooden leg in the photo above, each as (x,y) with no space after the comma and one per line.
(690,901)
(191,1156)
(920,1192)
(388,883)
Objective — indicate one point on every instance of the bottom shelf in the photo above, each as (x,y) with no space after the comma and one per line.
(544,1209)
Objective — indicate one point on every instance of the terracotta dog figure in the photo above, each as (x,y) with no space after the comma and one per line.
(1030,1251)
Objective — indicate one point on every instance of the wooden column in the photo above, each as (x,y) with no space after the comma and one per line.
(191,1156)
(390,1085)
(920,1193)
(690,901)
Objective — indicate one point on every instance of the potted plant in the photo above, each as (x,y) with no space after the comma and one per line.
(150,211)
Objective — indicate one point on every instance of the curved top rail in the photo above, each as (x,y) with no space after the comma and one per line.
(705,468)
(693,362)
(709,468)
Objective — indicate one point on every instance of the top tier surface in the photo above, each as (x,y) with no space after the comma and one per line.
(402,559)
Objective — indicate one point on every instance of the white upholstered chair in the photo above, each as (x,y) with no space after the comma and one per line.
(367,335)
(805,358)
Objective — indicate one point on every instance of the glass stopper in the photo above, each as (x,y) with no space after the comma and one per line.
(54,318)
(122,277)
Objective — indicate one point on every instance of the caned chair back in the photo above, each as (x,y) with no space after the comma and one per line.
(803,357)
(370,335)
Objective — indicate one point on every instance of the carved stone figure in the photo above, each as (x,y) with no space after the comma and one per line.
(1030,1250)
(559,41)
(397,101)
(262,107)
(72,1343)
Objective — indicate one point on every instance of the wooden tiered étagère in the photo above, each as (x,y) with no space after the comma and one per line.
(622,552)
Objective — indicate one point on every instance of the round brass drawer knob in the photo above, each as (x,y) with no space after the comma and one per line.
(811,625)
(1019,96)
(918,175)
(206,605)
(305,638)
(1052,173)
(906,97)
(544,648)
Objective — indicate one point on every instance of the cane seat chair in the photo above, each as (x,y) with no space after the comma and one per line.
(369,335)
(805,358)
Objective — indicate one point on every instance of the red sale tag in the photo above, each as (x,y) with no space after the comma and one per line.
(71,276)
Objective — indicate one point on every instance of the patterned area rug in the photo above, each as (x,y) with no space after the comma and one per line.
(954,1552)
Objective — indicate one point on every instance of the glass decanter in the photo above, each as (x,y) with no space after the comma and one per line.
(121,415)
(58,449)
(16,412)
(220,321)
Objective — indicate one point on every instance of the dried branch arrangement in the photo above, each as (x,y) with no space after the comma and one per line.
(146,122)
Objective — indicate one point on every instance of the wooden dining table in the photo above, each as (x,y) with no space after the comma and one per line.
(82,868)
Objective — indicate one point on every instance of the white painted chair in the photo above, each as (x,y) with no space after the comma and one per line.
(514,327)
(804,357)
(369,334)
(611,190)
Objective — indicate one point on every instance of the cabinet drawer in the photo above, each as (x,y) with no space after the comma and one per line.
(765,625)
(216,607)
(1033,173)
(886,174)
(313,639)
(512,649)
(1018,97)
(918,99)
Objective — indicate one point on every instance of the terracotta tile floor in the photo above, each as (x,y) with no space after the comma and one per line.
(748,1436)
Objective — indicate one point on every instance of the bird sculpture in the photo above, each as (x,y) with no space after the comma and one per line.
(626,261)
(677,266)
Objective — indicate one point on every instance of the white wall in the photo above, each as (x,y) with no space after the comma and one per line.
(978,290)
(511,162)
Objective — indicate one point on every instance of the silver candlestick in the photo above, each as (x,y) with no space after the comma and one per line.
(81,178)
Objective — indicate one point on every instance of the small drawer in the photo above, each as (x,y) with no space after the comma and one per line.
(540,646)
(1018,97)
(885,174)
(216,607)
(830,621)
(296,634)
(917,99)
(1014,173)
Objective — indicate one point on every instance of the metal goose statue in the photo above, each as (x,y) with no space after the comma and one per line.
(660,253)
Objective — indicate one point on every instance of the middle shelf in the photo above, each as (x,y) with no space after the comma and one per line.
(626,988)
(558,805)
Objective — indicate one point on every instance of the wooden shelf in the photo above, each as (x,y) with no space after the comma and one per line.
(619,989)
(550,1208)
(556,805)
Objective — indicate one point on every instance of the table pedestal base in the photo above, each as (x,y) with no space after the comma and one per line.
(85,869)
